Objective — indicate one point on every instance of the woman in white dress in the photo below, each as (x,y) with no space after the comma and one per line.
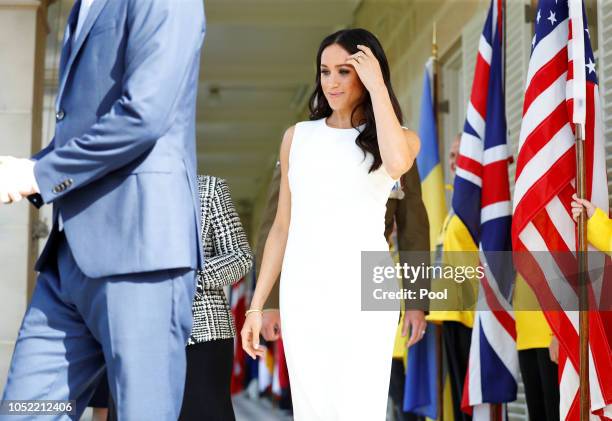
(337,171)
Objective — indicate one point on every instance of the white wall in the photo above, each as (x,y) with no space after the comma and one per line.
(17,54)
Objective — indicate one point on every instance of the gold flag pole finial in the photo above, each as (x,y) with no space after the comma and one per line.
(434,43)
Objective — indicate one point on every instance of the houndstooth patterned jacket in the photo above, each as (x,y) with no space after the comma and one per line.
(227,258)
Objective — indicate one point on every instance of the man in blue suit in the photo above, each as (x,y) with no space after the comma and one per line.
(116,278)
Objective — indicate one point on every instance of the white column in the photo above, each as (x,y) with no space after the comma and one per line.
(18,32)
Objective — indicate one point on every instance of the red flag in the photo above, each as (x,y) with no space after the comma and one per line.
(238,305)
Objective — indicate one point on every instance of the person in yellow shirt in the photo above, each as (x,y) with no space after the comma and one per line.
(457,249)
(599,234)
(599,226)
(538,369)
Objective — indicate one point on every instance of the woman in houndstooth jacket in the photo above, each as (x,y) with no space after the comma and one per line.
(210,350)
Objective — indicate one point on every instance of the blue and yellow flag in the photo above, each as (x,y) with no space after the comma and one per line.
(422,371)
(428,160)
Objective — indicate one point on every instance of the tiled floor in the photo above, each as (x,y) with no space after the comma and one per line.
(246,409)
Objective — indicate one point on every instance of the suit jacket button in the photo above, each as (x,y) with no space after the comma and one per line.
(60,115)
(69,182)
(56,189)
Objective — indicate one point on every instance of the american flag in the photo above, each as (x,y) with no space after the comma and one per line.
(561,91)
(481,200)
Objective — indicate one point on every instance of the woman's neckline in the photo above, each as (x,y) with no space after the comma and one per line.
(360,127)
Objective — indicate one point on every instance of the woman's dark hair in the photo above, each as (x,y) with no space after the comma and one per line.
(319,107)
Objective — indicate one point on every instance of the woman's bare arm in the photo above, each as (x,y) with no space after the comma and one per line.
(399,147)
(274,252)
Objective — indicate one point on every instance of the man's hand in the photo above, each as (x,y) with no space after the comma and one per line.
(271,325)
(414,321)
(16,179)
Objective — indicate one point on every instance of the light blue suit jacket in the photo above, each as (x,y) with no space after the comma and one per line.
(121,168)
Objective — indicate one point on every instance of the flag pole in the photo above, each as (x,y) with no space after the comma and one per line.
(582,279)
(497,408)
(434,55)
(439,353)
(579,120)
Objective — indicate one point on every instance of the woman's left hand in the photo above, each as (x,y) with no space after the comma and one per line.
(414,322)
(368,69)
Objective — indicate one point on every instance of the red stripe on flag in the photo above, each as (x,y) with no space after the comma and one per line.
(544,77)
(498,310)
(525,262)
(570,70)
(500,190)
(589,146)
(481,79)
(563,329)
(573,412)
(600,348)
(560,253)
(469,164)
(565,196)
(543,190)
(500,14)
(549,232)
(540,137)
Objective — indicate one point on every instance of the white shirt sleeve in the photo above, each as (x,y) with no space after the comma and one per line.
(83,11)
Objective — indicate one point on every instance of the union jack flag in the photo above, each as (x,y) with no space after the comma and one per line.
(481,200)
(561,91)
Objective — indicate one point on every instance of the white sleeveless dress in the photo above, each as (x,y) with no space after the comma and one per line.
(339,357)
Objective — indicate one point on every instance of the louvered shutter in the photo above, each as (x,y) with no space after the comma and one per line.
(518,48)
(604,20)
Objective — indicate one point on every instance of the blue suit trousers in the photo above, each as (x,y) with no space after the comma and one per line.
(136,326)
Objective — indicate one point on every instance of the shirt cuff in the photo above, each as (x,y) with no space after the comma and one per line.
(33,178)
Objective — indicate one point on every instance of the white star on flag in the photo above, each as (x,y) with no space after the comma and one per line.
(533,41)
(591,66)
(552,18)
(539,16)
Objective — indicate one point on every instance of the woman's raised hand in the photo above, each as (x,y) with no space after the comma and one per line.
(368,69)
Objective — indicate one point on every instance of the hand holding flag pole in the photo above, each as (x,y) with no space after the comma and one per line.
(579,120)
(539,224)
